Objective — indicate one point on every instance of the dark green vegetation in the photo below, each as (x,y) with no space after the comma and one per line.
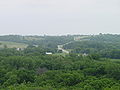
(32,69)
(104,45)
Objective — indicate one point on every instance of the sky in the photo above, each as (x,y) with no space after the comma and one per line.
(59,17)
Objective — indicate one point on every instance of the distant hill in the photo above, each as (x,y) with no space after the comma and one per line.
(46,41)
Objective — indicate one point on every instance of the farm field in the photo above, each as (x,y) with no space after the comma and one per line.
(12,44)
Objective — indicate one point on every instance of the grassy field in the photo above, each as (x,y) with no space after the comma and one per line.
(12,44)
(79,38)
(115,60)
(60,54)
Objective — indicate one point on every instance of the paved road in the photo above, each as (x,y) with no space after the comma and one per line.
(60,47)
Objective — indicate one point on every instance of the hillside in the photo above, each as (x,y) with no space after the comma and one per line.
(93,62)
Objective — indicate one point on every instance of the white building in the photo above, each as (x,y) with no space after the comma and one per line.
(18,49)
(85,54)
(48,53)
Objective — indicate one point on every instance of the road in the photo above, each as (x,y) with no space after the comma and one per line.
(60,47)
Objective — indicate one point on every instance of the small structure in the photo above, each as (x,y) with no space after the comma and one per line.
(48,53)
(85,54)
(18,49)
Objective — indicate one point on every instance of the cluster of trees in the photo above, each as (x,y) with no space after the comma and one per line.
(32,69)
(106,45)
(106,38)
(29,51)
(70,72)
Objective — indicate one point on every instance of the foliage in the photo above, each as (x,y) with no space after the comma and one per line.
(32,69)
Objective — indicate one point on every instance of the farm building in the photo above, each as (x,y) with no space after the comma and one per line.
(49,53)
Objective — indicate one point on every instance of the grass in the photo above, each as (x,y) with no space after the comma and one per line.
(60,54)
(12,44)
(79,38)
(115,60)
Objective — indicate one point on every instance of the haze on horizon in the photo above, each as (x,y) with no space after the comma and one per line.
(59,17)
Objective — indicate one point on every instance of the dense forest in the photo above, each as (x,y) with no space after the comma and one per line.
(93,63)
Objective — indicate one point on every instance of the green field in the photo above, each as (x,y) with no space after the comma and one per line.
(60,54)
(12,44)
(115,60)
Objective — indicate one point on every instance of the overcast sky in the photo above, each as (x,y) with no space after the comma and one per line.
(57,17)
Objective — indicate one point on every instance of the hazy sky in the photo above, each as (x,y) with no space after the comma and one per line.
(56,17)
